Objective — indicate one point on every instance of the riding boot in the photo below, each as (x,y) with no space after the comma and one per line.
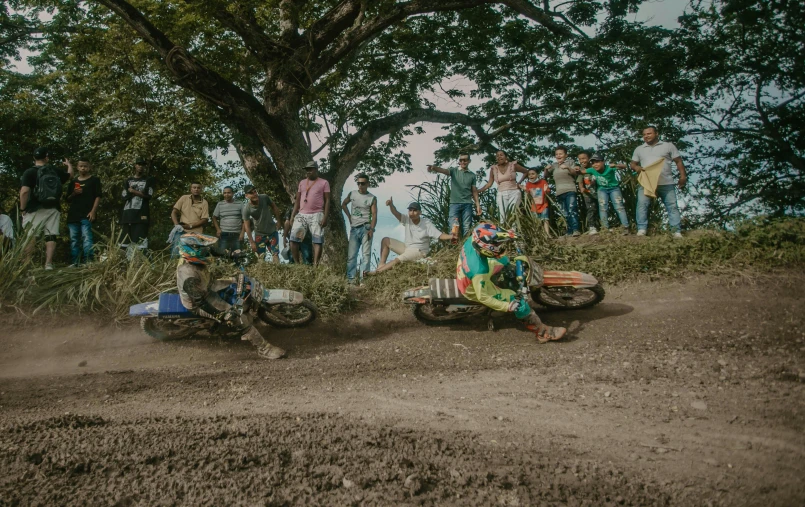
(544,333)
(264,349)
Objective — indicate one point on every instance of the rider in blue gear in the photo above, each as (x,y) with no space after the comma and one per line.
(199,294)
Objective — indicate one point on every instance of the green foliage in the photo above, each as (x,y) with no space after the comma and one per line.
(754,247)
(323,286)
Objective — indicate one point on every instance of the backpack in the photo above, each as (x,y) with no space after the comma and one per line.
(48,186)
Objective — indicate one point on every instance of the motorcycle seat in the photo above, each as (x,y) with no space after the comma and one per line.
(445,290)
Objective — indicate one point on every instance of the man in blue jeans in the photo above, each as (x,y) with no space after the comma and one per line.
(646,154)
(84,195)
(463,194)
(362,223)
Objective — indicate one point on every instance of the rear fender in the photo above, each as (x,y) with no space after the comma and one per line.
(575,279)
(419,295)
(144,309)
(278,296)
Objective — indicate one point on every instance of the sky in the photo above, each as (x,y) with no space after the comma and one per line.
(422,147)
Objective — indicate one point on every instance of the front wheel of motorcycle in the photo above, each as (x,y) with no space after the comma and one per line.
(435,315)
(568,298)
(286,315)
(164,329)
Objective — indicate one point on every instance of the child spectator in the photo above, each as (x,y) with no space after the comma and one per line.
(608,188)
(537,189)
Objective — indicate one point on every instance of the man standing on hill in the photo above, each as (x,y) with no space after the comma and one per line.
(647,154)
(84,195)
(589,192)
(260,214)
(40,196)
(362,223)
(310,211)
(227,218)
(463,194)
(191,211)
(136,215)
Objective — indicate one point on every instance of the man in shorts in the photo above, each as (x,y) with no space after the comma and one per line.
(40,213)
(310,212)
(419,231)
(259,215)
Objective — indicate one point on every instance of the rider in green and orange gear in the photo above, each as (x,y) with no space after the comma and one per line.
(482,257)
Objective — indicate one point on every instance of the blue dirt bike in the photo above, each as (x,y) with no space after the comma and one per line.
(168,319)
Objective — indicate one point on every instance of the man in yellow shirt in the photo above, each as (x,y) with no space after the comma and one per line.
(191,211)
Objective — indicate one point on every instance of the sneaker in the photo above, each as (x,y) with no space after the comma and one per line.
(575,234)
(49,267)
(641,233)
(592,231)
(677,235)
(625,231)
(269,351)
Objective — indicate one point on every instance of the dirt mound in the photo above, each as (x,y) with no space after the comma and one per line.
(287,459)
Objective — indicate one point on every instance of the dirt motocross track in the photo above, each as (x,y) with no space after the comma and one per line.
(671,393)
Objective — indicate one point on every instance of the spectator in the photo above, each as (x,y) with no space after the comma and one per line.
(653,150)
(505,174)
(227,218)
(261,211)
(463,194)
(608,189)
(6,231)
(84,195)
(418,233)
(564,176)
(191,211)
(589,192)
(40,196)
(362,223)
(305,247)
(310,212)
(136,216)
(538,191)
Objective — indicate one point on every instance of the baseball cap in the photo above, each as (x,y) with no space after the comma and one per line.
(595,157)
(140,161)
(312,165)
(415,205)
(248,189)
(41,153)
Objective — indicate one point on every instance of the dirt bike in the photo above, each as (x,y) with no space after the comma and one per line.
(168,319)
(440,302)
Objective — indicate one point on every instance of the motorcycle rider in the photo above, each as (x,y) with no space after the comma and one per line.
(200,295)
(482,257)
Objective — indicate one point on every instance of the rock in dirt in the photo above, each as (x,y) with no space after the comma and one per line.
(413,484)
(698,405)
(82,364)
(347,483)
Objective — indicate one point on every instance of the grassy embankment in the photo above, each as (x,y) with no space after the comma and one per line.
(111,286)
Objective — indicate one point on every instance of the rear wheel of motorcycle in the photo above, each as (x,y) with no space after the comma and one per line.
(434,315)
(568,298)
(164,329)
(286,315)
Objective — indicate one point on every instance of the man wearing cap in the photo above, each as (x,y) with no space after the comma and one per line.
(259,215)
(310,211)
(463,196)
(227,218)
(419,231)
(39,203)
(136,216)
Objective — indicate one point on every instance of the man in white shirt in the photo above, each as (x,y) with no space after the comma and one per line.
(419,231)
(646,154)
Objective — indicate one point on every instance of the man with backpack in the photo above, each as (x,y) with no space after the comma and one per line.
(40,196)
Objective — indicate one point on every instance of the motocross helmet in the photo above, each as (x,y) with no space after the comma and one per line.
(490,240)
(195,248)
